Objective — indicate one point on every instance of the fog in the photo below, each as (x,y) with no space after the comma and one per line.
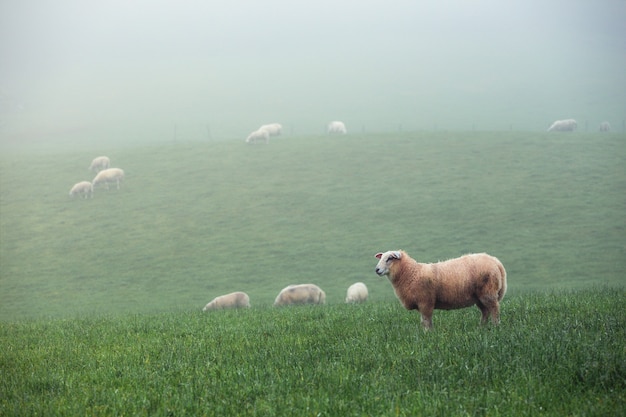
(134,70)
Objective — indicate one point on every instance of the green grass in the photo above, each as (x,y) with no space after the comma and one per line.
(555,353)
(100,299)
(196,220)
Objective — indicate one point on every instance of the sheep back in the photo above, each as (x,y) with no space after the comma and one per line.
(300,294)
(236,299)
(357,293)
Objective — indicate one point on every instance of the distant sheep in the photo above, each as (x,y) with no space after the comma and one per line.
(357,293)
(258,135)
(100,163)
(109,175)
(568,125)
(475,279)
(274,129)
(233,300)
(605,127)
(83,188)
(300,294)
(336,127)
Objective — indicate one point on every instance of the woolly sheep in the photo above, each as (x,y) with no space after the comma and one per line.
(84,187)
(357,293)
(236,299)
(605,127)
(274,129)
(336,127)
(568,125)
(300,294)
(258,135)
(100,163)
(109,175)
(478,279)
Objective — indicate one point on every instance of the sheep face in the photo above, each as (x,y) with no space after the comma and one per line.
(385,261)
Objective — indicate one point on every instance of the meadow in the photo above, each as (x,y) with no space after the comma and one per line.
(100,299)
(194,220)
(556,353)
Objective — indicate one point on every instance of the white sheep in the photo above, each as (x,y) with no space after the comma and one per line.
(475,279)
(258,135)
(336,127)
(100,163)
(300,294)
(109,175)
(605,127)
(357,293)
(274,129)
(236,299)
(84,187)
(568,125)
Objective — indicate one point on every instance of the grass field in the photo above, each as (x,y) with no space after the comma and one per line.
(196,220)
(555,354)
(100,299)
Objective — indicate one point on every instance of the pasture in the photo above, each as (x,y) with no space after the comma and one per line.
(100,299)
(555,353)
(194,220)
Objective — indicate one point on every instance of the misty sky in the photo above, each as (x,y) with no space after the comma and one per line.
(142,66)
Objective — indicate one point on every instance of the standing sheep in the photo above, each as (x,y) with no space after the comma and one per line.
(233,300)
(274,129)
(357,293)
(336,127)
(100,163)
(568,125)
(478,279)
(300,294)
(84,187)
(258,135)
(605,127)
(109,175)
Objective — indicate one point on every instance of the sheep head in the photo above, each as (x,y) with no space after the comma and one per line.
(385,261)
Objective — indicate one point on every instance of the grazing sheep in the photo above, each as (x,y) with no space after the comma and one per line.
(462,282)
(84,187)
(300,294)
(100,163)
(258,135)
(605,127)
(568,125)
(357,293)
(274,129)
(336,127)
(109,175)
(236,299)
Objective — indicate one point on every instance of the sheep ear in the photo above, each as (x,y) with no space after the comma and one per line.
(396,254)
(378,255)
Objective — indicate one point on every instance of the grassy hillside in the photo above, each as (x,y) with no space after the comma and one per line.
(555,354)
(196,220)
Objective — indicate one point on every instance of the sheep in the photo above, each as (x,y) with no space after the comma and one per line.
(568,125)
(84,187)
(236,299)
(109,175)
(357,293)
(257,135)
(336,127)
(605,127)
(274,129)
(478,279)
(300,294)
(100,163)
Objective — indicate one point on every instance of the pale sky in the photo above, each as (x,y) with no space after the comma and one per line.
(145,65)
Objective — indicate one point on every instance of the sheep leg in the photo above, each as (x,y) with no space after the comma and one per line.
(427,317)
(489,307)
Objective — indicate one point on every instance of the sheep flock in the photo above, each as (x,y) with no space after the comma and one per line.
(105,175)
